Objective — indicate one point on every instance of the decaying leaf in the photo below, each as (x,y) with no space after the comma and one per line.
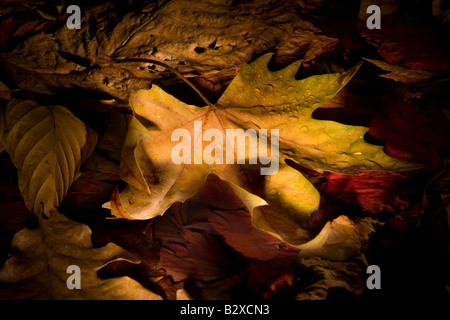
(305,44)
(47,144)
(408,42)
(190,252)
(401,74)
(257,100)
(38,268)
(373,191)
(207,37)
(5,92)
(331,275)
(339,240)
(195,235)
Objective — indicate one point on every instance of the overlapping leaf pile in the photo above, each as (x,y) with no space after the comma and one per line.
(216,230)
(255,99)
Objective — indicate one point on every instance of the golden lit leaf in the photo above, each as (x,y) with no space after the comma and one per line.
(38,268)
(47,144)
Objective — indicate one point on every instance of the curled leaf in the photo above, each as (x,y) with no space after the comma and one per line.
(339,240)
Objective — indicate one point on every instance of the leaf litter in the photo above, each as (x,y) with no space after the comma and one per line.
(205,229)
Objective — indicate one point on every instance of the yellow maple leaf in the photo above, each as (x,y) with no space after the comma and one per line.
(172,147)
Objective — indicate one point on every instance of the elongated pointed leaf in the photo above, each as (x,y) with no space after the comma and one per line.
(47,144)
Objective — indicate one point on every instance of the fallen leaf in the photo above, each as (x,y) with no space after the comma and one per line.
(5,27)
(47,145)
(188,252)
(373,191)
(26,28)
(255,99)
(303,44)
(326,276)
(401,74)
(49,12)
(408,42)
(5,93)
(236,228)
(209,37)
(411,132)
(339,240)
(181,294)
(37,268)
(275,278)
(96,182)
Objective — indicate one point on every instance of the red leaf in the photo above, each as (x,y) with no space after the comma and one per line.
(374,191)
(5,30)
(412,133)
(26,28)
(14,215)
(408,132)
(271,278)
(202,257)
(236,227)
(94,186)
(408,42)
(192,251)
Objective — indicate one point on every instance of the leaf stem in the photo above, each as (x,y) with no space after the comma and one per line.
(173,70)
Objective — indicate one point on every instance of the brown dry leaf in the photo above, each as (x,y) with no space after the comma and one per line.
(47,145)
(401,74)
(37,266)
(339,240)
(330,275)
(198,39)
(373,191)
(303,44)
